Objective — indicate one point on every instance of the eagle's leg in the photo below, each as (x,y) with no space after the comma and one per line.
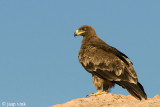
(107,85)
(98,83)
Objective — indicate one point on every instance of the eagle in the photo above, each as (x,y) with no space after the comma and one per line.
(107,65)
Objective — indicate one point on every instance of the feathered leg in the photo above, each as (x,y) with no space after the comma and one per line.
(107,85)
(98,83)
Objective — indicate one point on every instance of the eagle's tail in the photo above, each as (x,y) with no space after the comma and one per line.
(135,90)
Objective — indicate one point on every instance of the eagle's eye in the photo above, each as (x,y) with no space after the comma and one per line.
(84,28)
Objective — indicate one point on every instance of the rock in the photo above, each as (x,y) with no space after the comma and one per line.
(111,100)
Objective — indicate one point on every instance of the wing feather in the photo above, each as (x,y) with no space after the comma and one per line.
(106,64)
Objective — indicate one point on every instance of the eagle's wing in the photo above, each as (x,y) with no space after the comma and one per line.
(114,51)
(108,63)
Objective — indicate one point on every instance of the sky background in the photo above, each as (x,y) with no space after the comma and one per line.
(39,54)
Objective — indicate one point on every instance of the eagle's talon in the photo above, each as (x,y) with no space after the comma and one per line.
(90,95)
(95,94)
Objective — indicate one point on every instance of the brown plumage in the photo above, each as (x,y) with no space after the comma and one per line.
(107,65)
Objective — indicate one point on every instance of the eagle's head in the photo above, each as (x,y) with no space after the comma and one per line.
(84,31)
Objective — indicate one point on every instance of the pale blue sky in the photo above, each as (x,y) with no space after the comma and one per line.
(39,55)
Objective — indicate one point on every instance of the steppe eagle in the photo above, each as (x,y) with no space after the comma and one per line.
(107,65)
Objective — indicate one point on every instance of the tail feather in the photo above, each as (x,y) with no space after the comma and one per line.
(135,90)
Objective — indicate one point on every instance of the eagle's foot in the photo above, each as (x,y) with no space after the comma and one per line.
(98,93)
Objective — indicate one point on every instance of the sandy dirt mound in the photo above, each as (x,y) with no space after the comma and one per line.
(111,100)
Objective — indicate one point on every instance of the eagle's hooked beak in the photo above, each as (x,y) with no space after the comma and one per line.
(76,33)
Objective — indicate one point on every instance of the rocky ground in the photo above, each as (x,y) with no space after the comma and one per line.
(111,100)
